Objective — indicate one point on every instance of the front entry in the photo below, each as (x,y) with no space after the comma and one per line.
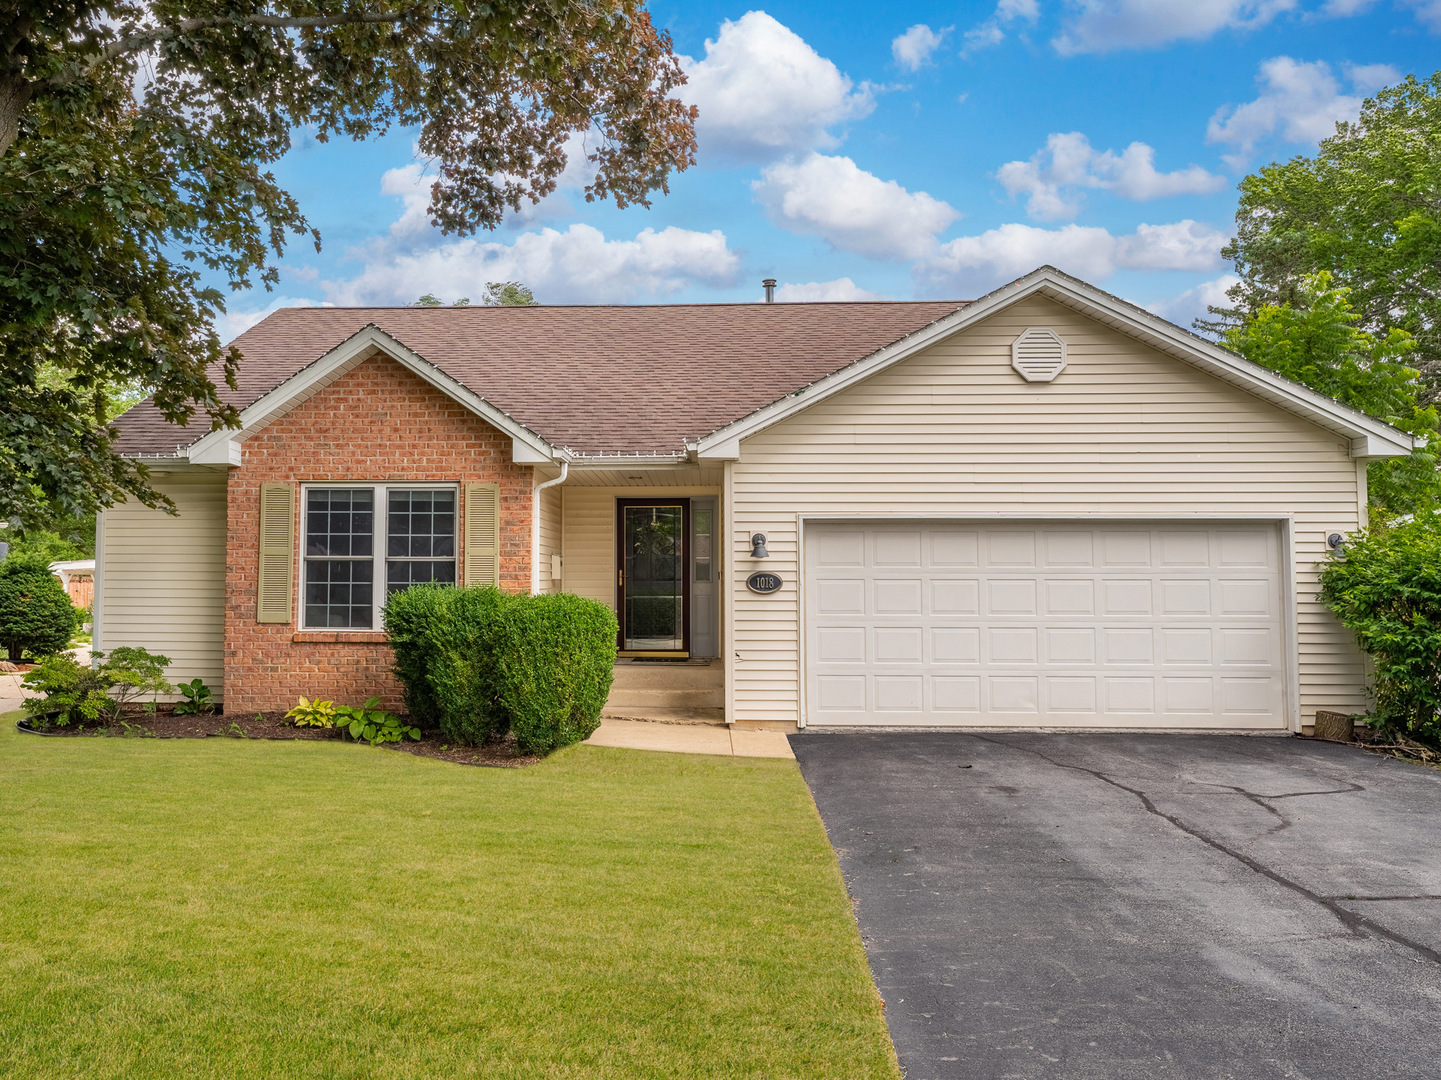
(652,585)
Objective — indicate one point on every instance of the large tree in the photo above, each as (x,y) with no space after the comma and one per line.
(1314,339)
(134,140)
(1366,209)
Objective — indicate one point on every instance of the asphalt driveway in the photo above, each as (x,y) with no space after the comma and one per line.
(1141,906)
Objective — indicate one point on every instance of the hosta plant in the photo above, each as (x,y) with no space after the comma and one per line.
(373,724)
(315,713)
(199,701)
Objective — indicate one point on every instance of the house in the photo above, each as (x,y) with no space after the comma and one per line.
(1046,507)
(77,577)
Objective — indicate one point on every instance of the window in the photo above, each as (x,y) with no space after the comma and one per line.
(421,546)
(345,585)
(701,525)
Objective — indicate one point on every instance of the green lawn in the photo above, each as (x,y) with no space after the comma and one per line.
(228,908)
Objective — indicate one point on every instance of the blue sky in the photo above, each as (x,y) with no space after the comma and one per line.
(872,150)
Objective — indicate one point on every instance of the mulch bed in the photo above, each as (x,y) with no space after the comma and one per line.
(164,724)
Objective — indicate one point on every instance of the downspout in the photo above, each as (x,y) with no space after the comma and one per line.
(535,531)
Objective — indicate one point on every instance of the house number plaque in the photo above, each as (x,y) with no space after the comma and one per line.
(763,581)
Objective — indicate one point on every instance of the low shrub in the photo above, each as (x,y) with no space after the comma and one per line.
(478,662)
(102,690)
(62,685)
(1386,589)
(134,673)
(36,615)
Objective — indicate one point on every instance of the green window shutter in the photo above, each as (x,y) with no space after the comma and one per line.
(277,552)
(482,534)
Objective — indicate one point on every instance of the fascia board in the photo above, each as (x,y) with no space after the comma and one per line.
(626,461)
(216,447)
(1376,438)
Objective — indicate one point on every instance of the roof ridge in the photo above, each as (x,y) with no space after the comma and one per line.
(615,307)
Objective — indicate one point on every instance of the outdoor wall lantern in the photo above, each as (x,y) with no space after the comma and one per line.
(758,547)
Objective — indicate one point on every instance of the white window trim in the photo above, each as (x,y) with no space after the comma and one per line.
(380,515)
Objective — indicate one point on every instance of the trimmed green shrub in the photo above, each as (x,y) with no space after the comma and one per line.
(444,644)
(1387,591)
(36,615)
(477,663)
(555,659)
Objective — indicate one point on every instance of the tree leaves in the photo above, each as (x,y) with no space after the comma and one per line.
(1366,208)
(141,135)
(1316,341)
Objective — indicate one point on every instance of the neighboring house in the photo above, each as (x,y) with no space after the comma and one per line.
(1046,507)
(78,578)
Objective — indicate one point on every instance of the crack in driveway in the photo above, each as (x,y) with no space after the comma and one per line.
(1355,923)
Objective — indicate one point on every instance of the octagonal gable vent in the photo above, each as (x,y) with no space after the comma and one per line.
(1038,354)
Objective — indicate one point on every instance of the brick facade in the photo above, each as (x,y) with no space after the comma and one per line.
(377,422)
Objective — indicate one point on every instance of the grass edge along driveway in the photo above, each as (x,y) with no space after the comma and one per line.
(234,908)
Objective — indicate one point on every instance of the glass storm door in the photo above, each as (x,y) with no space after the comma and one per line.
(653,576)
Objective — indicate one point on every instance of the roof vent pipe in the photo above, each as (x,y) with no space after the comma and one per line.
(770,284)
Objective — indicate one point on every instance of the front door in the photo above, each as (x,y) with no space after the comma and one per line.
(653,597)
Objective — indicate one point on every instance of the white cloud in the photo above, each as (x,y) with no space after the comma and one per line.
(411,184)
(1368,78)
(574,266)
(839,289)
(234,323)
(1107,25)
(1050,178)
(851,209)
(1193,303)
(912,50)
(1428,13)
(1181,245)
(763,92)
(1300,101)
(993,31)
(972,265)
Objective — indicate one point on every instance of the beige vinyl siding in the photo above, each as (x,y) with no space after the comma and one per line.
(588,550)
(548,542)
(1124,430)
(162,578)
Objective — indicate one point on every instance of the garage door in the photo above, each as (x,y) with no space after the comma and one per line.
(1044,623)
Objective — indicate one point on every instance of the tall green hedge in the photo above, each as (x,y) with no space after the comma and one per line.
(477,663)
(1387,591)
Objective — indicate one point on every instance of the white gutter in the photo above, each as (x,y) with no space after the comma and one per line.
(535,524)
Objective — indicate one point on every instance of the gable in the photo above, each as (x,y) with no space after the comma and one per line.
(376,414)
(223,447)
(1116,397)
(1366,437)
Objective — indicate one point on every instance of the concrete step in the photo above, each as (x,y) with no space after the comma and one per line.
(667,716)
(633,676)
(710,697)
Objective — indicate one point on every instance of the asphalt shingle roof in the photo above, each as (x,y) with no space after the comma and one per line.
(597,380)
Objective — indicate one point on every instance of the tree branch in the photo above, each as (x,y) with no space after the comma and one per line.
(146,38)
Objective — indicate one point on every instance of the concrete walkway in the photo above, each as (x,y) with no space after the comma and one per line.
(11,692)
(691,739)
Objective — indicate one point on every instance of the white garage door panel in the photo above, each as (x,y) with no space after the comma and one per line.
(1123,625)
